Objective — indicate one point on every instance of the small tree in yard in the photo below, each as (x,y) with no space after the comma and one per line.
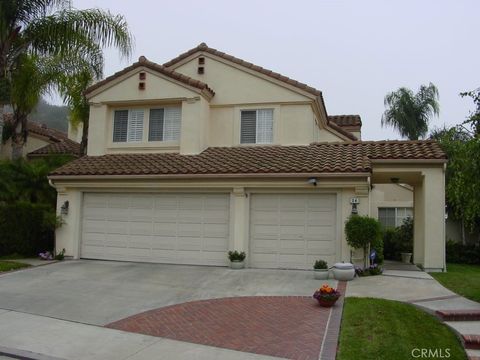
(362,232)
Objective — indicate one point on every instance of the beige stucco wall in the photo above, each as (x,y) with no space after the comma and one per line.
(214,122)
(75,132)
(33,143)
(390,195)
(69,235)
(428,181)
(233,85)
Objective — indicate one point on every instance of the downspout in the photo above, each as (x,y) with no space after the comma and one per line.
(444,223)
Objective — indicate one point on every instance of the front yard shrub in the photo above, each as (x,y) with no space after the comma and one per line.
(362,232)
(398,240)
(462,253)
(25,228)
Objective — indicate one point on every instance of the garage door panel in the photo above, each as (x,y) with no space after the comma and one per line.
(321,247)
(215,244)
(286,230)
(169,228)
(164,242)
(165,228)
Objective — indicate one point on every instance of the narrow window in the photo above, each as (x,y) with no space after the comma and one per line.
(164,124)
(256,126)
(120,126)
(135,125)
(155,128)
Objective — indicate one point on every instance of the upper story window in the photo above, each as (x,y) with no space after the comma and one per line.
(128,125)
(256,126)
(163,124)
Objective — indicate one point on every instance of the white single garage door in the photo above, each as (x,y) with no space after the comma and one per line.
(291,231)
(161,228)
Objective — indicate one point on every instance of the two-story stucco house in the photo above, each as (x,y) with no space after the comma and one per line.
(208,153)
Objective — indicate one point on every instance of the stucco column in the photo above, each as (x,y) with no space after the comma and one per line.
(429,220)
(239,216)
(68,236)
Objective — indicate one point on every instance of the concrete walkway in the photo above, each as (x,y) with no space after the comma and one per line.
(29,336)
(422,290)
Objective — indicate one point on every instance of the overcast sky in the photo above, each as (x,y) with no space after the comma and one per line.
(353,51)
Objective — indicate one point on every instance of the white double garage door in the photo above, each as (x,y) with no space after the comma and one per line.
(285,230)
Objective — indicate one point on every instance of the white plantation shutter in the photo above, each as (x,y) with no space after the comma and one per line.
(155,128)
(171,128)
(135,125)
(120,126)
(264,126)
(248,129)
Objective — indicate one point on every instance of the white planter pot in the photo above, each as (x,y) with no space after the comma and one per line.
(343,271)
(320,274)
(406,257)
(237,265)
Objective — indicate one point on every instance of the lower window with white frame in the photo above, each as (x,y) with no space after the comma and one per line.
(391,217)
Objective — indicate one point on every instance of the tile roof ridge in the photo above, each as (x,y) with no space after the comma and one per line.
(143,61)
(204,47)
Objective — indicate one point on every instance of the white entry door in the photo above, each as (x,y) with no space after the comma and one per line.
(291,231)
(162,228)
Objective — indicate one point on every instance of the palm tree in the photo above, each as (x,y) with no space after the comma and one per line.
(410,113)
(51,29)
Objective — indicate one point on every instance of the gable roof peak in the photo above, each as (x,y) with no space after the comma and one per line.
(142,59)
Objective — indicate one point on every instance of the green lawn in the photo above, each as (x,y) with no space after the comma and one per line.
(383,329)
(11,265)
(462,279)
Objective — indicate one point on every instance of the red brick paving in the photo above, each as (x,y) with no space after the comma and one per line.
(285,326)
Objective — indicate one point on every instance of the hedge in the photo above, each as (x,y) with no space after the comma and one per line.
(26,228)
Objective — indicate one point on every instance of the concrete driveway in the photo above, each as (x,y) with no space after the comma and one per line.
(101,292)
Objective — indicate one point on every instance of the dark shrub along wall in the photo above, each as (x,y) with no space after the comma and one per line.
(25,229)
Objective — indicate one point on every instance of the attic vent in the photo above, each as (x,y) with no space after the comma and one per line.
(201,70)
(201,61)
(142,76)
(141,86)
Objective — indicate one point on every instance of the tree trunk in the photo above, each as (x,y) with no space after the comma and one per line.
(84,142)
(19,136)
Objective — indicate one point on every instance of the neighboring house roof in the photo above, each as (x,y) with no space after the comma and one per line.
(205,48)
(63,147)
(346,121)
(347,157)
(143,62)
(39,129)
(59,141)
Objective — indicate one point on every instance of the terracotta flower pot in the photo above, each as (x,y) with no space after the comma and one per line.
(327,302)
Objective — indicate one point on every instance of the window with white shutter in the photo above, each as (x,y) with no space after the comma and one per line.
(120,126)
(135,125)
(155,127)
(164,124)
(256,126)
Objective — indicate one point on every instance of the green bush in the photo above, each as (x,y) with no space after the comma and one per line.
(362,232)
(398,240)
(462,254)
(391,246)
(26,228)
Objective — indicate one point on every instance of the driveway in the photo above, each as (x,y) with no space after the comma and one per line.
(102,292)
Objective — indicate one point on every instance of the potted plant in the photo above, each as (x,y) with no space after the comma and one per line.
(326,295)
(237,259)
(320,270)
(405,238)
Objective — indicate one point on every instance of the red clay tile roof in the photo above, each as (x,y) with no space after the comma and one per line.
(205,48)
(346,120)
(64,147)
(346,157)
(39,129)
(142,61)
